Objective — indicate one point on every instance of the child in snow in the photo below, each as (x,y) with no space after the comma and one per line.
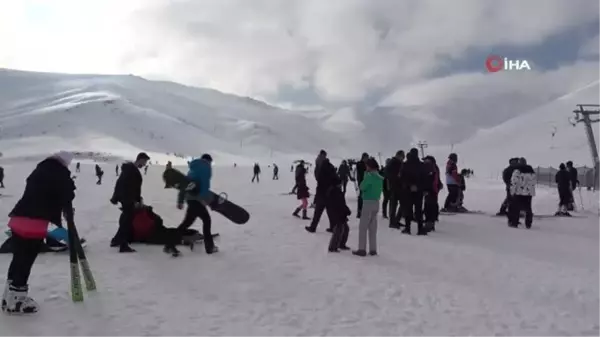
(48,193)
(370,188)
(336,204)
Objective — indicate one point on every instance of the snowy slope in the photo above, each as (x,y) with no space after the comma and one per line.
(473,276)
(529,135)
(42,112)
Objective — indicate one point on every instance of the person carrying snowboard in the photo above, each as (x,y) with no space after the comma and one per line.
(522,191)
(196,197)
(506,176)
(128,192)
(563,182)
(256,171)
(336,203)
(301,191)
(99,174)
(344,174)
(49,191)
(370,187)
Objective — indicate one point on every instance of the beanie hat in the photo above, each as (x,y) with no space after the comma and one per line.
(207,157)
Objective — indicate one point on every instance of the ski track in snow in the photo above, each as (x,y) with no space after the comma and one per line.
(474,276)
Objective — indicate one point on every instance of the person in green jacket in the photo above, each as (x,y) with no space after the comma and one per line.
(371,188)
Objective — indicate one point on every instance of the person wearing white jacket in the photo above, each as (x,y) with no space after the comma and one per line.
(522,191)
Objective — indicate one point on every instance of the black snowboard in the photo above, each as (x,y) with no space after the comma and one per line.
(217,202)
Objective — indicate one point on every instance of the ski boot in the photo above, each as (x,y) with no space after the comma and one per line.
(18,303)
(171,249)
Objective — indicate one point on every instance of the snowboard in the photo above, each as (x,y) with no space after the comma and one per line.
(217,202)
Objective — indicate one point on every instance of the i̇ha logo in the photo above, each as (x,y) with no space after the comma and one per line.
(495,63)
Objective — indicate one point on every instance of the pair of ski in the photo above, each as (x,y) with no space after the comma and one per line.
(76,258)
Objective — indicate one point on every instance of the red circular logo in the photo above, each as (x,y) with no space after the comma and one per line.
(494,63)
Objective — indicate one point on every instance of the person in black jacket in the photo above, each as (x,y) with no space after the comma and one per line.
(432,186)
(392,174)
(386,190)
(99,174)
(256,171)
(506,175)
(128,192)
(1,177)
(49,192)
(411,181)
(563,182)
(301,191)
(336,204)
(344,174)
(361,168)
(574,177)
(325,180)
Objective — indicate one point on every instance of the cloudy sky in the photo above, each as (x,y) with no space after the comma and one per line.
(335,53)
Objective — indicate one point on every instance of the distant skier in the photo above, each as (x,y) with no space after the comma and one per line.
(1,177)
(292,168)
(170,165)
(370,187)
(464,173)
(200,172)
(386,190)
(145,169)
(392,172)
(574,177)
(99,174)
(361,168)
(49,191)
(340,212)
(78,167)
(432,186)
(275,172)
(117,170)
(453,183)
(128,192)
(522,191)
(344,174)
(256,171)
(412,179)
(563,182)
(302,191)
(506,176)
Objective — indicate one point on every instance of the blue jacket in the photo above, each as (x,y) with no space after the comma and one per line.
(200,172)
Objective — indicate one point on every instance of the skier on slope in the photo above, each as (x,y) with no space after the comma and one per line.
(117,170)
(522,191)
(506,175)
(99,174)
(78,167)
(302,191)
(453,184)
(275,172)
(574,177)
(392,173)
(49,192)
(200,173)
(344,174)
(361,168)
(563,182)
(1,177)
(432,186)
(256,171)
(128,192)
(412,178)
(326,179)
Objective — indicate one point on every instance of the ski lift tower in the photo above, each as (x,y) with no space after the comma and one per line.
(582,115)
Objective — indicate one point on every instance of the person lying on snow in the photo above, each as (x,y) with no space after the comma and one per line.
(56,241)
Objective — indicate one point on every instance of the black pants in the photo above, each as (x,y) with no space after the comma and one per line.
(520,203)
(125,233)
(344,185)
(340,236)
(275,176)
(413,209)
(395,214)
(320,207)
(359,206)
(564,196)
(255,176)
(2,182)
(195,210)
(25,251)
(506,203)
(431,208)
(99,182)
(452,197)
(384,203)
